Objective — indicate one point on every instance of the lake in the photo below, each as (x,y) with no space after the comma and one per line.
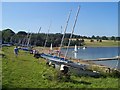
(95,52)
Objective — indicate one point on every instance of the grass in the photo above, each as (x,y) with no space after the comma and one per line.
(108,43)
(25,71)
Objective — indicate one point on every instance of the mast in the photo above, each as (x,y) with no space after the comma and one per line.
(72,30)
(38,35)
(19,41)
(64,32)
(11,39)
(25,39)
(39,30)
(29,39)
(61,29)
(47,36)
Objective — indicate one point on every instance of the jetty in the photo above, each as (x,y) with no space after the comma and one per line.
(104,59)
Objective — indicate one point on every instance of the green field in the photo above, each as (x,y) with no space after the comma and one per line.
(104,43)
(25,71)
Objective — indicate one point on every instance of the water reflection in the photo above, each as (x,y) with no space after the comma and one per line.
(75,55)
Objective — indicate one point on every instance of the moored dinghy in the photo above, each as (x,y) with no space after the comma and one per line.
(51,47)
(75,49)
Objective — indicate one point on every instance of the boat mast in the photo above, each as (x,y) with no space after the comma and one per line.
(25,39)
(72,31)
(47,36)
(37,35)
(19,41)
(39,30)
(11,39)
(61,29)
(64,32)
(29,39)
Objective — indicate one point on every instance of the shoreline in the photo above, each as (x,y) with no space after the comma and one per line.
(86,46)
(93,66)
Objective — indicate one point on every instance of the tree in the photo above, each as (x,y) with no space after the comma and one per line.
(97,37)
(104,38)
(22,36)
(81,42)
(67,35)
(7,34)
(65,42)
(85,37)
(112,38)
(91,40)
(100,40)
(118,38)
(77,42)
(22,33)
(93,37)
(57,41)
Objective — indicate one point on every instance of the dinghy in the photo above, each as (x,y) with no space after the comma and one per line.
(51,47)
(75,49)
(84,48)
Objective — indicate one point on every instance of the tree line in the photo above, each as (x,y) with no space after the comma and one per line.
(38,39)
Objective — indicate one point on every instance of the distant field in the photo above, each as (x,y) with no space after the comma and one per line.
(109,43)
(27,72)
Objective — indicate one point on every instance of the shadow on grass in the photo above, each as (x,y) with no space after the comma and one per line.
(73,81)
(79,82)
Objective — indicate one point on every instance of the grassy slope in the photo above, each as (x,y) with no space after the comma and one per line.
(27,72)
(103,43)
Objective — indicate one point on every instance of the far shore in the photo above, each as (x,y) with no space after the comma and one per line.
(78,47)
(86,46)
(95,46)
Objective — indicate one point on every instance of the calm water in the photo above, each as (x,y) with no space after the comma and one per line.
(95,52)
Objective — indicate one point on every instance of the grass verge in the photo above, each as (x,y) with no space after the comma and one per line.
(25,71)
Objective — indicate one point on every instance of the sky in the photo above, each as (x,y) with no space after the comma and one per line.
(95,18)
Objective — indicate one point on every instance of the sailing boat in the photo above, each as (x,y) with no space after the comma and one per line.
(57,59)
(26,46)
(80,67)
(75,49)
(47,36)
(51,47)
(64,60)
(25,39)
(84,48)
(64,32)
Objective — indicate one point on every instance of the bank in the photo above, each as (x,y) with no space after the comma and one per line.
(25,71)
